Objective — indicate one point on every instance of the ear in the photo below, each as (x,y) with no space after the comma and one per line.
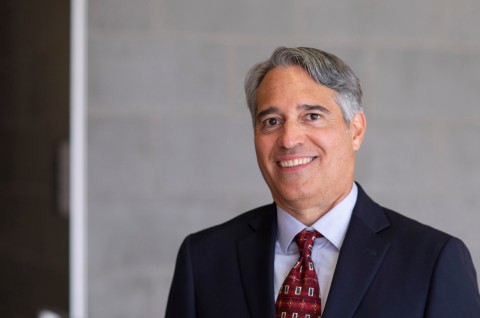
(358,126)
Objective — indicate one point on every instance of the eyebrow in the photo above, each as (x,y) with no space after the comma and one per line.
(320,108)
(274,109)
(268,111)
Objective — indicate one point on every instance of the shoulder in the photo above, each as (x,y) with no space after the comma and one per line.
(237,227)
(433,266)
(401,232)
(393,225)
(410,227)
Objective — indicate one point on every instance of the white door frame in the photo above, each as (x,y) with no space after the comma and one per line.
(78,211)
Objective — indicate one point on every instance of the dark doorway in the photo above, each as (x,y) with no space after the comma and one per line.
(34,123)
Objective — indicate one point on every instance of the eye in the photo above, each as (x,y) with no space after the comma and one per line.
(270,122)
(313,116)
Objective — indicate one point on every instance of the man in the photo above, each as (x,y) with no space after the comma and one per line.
(324,248)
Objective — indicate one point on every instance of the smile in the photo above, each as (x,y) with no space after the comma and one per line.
(295,162)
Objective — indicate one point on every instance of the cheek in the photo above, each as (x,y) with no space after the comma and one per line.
(263,144)
(261,150)
(324,141)
(336,145)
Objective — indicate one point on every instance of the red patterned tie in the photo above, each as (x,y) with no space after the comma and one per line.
(299,296)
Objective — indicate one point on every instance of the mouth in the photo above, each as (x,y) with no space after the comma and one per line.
(297,162)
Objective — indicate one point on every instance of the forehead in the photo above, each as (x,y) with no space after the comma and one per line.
(292,86)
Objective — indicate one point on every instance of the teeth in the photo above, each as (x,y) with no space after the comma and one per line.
(295,162)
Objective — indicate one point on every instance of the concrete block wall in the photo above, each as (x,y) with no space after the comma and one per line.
(170,144)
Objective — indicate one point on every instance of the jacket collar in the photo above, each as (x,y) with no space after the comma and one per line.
(360,258)
(256,257)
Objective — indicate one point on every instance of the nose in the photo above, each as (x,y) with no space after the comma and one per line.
(291,135)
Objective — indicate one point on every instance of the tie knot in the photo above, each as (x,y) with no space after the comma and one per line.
(305,241)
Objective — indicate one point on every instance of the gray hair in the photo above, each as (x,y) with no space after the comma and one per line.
(324,68)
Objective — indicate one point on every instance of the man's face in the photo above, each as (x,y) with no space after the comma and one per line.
(305,151)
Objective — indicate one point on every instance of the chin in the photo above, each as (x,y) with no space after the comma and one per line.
(294,198)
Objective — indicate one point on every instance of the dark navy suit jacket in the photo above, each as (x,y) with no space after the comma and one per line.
(389,267)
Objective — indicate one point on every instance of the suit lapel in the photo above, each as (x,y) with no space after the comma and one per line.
(256,257)
(360,258)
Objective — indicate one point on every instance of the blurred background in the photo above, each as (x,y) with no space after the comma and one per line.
(169,138)
(34,131)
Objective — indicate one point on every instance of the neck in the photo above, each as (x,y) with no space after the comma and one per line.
(308,214)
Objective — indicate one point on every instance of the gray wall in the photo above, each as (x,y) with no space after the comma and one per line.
(169,138)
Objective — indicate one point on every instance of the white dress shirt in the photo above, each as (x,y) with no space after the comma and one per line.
(333,226)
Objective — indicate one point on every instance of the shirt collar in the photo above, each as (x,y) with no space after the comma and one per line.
(333,225)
